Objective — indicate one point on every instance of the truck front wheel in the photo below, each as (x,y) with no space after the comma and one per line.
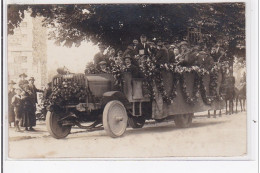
(115,118)
(54,126)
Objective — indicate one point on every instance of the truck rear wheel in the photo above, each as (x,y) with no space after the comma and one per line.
(54,127)
(115,118)
(136,122)
(183,121)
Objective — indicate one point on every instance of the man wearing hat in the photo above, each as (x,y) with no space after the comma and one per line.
(22,81)
(130,67)
(218,53)
(184,47)
(119,58)
(32,91)
(100,55)
(162,55)
(11,93)
(171,53)
(103,67)
(143,48)
(185,51)
(132,49)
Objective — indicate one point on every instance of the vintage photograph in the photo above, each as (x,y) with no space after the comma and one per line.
(126,81)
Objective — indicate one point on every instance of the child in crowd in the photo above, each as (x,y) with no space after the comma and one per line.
(16,102)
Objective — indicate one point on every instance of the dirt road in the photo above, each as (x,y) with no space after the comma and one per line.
(221,136)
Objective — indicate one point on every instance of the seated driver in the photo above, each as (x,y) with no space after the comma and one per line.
(103,67)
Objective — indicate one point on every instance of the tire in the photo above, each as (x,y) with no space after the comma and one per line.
(55,129)
(115,118)
(183,121)
(136,122)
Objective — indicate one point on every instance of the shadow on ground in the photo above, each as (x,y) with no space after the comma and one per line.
(156,128)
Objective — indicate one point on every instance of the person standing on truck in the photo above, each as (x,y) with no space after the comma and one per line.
(185,51)
(143,47)
(132,49)
(171,53)
(218,53)
(111,56)
(130,67)
(177,54)
(162,55)
(119,58)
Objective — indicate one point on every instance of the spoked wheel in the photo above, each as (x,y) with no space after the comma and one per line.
(115,118)
(136,122)
(183,121)
(55,128)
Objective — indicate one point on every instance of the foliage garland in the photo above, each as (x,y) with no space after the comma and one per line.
(67,92)
(156,75)
(153,74)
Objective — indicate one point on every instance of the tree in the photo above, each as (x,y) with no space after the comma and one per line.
(117,25)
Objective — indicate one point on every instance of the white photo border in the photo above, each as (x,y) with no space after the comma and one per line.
(245,164)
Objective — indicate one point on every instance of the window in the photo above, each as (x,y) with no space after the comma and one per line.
(20,59)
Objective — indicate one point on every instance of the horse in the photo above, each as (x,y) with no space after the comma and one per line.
(230,94)
(240,95)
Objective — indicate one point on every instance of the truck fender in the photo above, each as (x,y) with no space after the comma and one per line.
(114,95)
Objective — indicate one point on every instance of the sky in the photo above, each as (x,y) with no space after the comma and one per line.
(74,58)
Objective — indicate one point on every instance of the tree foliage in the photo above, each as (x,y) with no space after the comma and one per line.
(118,24)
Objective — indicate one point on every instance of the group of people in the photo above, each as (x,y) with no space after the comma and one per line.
(161,52)
(22,99)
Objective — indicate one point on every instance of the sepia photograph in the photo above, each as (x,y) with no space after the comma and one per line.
(126,81)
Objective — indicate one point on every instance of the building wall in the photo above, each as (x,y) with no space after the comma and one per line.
(27,51)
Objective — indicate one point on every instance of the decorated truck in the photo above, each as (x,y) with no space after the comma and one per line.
(172,92)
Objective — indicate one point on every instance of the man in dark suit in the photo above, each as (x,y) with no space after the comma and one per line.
(130,67)
(132,49)
(162,55)
(32,93)
(218,53)
(33,90)
(171,53)
(143,48)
